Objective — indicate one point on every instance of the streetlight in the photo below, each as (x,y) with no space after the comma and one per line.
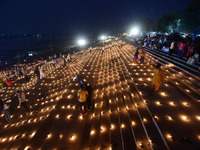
(103,37)
(81,42)
(134,31)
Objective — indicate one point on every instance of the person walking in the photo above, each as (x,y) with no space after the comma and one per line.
(5,110)
(181,47)
(171,49)
(135,58)
(158,77)
(37,72)
(82,95)
(22,100)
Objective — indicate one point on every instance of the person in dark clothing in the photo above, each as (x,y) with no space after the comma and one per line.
(4,108)
(135,58)
(82,96)
(27,77)
(37,72)
(64,62)
(83,83)
(20,73)
(89,98)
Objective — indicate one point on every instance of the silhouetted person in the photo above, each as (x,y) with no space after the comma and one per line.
(37,72)
(89,98)
(4,108)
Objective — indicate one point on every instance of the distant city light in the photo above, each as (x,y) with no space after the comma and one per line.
(81,42)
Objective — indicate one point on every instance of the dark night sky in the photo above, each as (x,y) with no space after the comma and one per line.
(73,16)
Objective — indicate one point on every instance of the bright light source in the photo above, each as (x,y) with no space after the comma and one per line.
(103,37)
(81,42)
(134,31)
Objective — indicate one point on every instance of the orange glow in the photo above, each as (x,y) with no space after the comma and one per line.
(10,138)
(102,129)
(198,118)
(169,136)
(172,103)
(149,79)
(198,136)
(60,136)
(169,118)
(185,104)
(184,118)
(140,144)
(81,117)
(133,123)
(69,116)
(69,96)
(112,126)
(32,134)
(49,136)
(57,116)
(156,117)
(187,90)
(144,120)
(158,103)
(163,94)
(27,147)
(92,132)
(73,137)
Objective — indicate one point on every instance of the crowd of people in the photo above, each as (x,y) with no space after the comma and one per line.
(158,73)
(142,56)
(84,95)
(40,69)
(187,48)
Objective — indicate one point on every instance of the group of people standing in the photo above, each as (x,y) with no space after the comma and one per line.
(158,73)
(41,70)
(187,50)
(142,56)
(84,96)
(21,102)
(103,45)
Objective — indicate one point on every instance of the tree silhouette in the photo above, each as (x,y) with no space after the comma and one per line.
(191,17)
